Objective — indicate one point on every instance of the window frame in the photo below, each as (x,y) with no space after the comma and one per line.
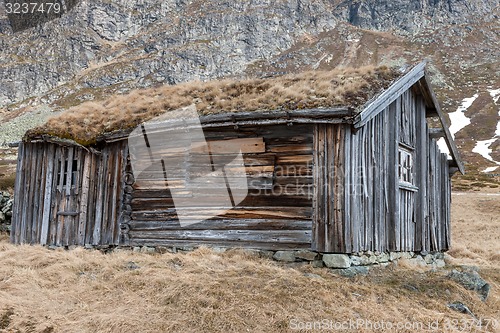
(406,167)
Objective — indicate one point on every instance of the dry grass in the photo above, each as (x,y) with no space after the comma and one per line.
(204,291)
(341,87)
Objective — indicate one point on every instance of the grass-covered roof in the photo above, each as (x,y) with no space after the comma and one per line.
(350,87)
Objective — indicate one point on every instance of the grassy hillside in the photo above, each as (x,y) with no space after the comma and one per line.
(44,290)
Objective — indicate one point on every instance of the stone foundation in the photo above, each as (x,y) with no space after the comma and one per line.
(338,261)
(6,202)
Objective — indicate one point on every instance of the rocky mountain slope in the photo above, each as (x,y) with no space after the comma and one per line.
(108,47)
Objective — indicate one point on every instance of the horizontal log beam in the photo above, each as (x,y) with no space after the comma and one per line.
(436,133)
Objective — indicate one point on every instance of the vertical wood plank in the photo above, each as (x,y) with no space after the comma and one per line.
(26,194)
(100,186)
(47,198)
(55,195)
(347,175)
(92,198)
(84,199)
(18,196)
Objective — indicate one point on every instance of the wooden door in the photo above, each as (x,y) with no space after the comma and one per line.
(66,189)
(406,200)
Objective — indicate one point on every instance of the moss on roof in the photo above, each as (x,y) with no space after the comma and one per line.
(351,87)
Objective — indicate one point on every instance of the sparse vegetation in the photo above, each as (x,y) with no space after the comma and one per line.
(346,87)
(7,182)
(205,291)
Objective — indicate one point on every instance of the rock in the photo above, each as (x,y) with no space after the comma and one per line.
(410,287)
(460,307)
(336,260)
(399,255)
(429,259)
(418,261)
(439,255)
(266,254)
(440,263)
(163,249)
(383,258)
(148,249)
(136,249)
(186,248)
(352,271)
(9,204)
(471,280)
(363,260)
(317,263)
(132,266)
(285,256)
(306,255)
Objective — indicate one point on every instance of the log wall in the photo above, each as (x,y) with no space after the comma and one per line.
(276,213)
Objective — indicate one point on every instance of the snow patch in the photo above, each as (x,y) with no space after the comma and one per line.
(490,169)
(495,94)
(458,119)
(443,147)
(483,148)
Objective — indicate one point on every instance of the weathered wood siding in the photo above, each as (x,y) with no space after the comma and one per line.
(67,195)
(331,187)
(329,229)
(397,188)
(276,214)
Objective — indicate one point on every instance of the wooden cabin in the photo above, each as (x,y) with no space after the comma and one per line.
(335,175)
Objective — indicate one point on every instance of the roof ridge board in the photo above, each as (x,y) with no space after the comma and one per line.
(450,142)
(380,101)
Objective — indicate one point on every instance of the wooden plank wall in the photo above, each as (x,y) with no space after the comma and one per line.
(276,214)
(66,195)
(408,111)
(371,190)
(439,199)
(359,203)
(381,214)
(328,204)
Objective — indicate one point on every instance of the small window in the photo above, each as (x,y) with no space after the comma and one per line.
(63,171)
(405,166)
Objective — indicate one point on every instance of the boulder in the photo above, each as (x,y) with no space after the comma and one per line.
(352,271)
(471,280)
(336,260)
(306,255)
(285,256)
(418,261)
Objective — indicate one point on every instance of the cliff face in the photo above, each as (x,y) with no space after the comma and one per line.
(140,43)
(413,16)
(107,47)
